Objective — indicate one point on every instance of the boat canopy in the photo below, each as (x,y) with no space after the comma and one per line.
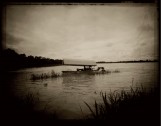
(74,62)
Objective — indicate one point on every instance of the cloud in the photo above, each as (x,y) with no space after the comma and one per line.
(87,32)
(109,44)
(13,40)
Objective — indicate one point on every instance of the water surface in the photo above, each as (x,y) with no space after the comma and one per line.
(65,95)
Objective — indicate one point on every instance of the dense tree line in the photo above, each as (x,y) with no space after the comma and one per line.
(11,60)
(134,61)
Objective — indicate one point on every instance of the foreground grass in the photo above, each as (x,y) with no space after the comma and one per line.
(137,106)
(21,111)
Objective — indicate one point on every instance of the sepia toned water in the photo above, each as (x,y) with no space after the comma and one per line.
(66,95)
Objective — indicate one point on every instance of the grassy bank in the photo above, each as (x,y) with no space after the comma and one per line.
(134,107)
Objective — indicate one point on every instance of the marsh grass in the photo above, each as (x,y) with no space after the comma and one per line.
(42,76)
(116,71)
(30,100)
(53,74)
(137,105)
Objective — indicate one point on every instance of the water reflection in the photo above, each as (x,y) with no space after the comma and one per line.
(78,80)
(78,84)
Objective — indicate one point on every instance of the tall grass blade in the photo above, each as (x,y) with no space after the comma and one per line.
(93,114)
(96,108)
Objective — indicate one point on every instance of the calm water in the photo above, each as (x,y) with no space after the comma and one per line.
(65,95)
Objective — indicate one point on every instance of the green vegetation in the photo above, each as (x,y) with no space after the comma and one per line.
(45,75)
(136,106)
(11,60)
(116,71)
(53,74)
(133,61)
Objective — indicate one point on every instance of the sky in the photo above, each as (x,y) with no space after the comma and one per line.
(115,32)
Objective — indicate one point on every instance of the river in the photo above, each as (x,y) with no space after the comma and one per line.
(66,95)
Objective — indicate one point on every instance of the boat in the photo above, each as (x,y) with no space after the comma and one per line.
(86,64)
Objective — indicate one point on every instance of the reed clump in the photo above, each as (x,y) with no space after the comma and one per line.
(116,71)
(136,105)
(29,100)
(42,76)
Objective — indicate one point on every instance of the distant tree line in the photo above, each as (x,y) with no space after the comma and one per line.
(134,61)
(11,60)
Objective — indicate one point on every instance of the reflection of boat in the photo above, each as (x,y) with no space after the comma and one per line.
(87,64)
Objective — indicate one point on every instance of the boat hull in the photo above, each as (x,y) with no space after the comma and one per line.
(78,72)
(84,72)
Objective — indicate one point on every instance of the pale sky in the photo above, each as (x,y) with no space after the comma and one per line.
(94,32)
